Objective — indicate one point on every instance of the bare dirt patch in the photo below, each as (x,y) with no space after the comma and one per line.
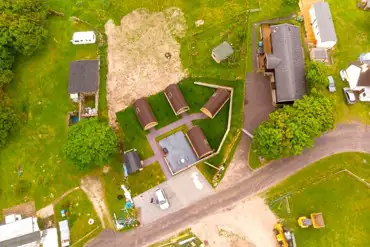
(93,188)
(143,56)
(248,224)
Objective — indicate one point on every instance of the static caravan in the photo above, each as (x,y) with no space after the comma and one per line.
(64,233)
(80,38)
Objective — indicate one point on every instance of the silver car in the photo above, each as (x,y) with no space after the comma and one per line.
(349,95)
(331,86)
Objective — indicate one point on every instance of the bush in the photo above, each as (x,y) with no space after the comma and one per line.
(90,142)
(290,2)
(317,74)
(291,129)
(8,122)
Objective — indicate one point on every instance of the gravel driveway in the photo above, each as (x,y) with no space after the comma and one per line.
(181,191)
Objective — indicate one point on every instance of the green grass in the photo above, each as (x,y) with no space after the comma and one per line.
(182,128)
(343,200)
(162,110)
(40,90)
(173,241)
(196,96)
(254,160)
(133,134)
(80,210)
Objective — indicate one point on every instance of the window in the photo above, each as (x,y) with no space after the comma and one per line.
(137,110)
(169,95)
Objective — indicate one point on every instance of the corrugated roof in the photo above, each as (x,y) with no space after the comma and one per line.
(144,113)
(176,99)
(215,102)
(223,51)
(132,161)
(83,76)
(324,22)
(290,72)
(199,142)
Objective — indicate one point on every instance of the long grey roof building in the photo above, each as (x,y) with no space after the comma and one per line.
(324,21)
(287,62)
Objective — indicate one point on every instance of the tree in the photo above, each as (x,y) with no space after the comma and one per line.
(317,74)
(291,129)
(8,122)
(90,142)
(6,76)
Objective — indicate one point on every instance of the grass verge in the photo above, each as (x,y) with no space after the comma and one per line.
(80,210)
(182,128)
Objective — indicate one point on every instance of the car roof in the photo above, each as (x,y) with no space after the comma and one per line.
(160,195)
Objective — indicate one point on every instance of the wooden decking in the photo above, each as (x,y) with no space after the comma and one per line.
(266,37)
(305,6)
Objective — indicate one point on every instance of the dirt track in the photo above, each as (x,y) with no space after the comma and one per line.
(143,56)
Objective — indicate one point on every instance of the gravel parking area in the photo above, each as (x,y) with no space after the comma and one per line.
(181,191)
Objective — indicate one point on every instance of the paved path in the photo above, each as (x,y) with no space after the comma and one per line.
(346,137)
(158,156)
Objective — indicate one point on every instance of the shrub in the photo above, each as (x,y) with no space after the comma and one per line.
(8,122)
(317,74)
(90,142)
(291,129)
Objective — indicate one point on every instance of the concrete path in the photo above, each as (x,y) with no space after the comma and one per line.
(158,155)
(345,138)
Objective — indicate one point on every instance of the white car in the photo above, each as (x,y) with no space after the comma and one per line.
(162,199)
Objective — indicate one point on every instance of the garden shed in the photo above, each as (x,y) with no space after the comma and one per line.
(198,142)
(222,52)
(132,162)
(145,114)
(176,99)
(216,102)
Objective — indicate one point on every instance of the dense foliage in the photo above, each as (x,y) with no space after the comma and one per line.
(8,121)
(317,74)
(291,129)
(21,31)
(90,142)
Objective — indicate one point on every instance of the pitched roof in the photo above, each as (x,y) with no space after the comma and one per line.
(176,99)
(132,161)
(324,21)
(215,102)
(83,76)
(144,113)
(290,72)
(223,51)
(19,232)
(33,238)
(199,142)
(271,61)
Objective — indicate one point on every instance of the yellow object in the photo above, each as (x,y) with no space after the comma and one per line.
(316,221)
(280,234)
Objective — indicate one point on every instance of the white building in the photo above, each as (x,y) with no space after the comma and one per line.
(322,25)
(358,78)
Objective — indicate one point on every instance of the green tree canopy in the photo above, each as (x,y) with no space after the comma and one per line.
(317,74)
(8,122)
(90,142)
(291,129)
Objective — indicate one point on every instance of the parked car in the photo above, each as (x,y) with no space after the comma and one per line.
(162,199)
(349,95)
(331,86)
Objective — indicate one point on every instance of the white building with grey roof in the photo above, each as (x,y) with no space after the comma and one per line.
(322,25)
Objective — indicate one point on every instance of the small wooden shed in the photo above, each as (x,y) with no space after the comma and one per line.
(222,52)
(216,102)
(198,142)
(144,113)
(176,99)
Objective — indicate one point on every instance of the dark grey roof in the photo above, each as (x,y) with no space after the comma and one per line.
(83,76)
(271,61)
(223,51)
(324,21)
(25,239)
(290,72)
(132,161)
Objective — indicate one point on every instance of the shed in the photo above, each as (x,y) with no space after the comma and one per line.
(319,55)
(216,102)
(132,161)
(289,72)
(145,114)
(83,77)
(198,142)
(222,52)
(322,25)
(176,99)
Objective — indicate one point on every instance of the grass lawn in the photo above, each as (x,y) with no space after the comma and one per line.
(133,134)
(173,241)
(182,128)
(162,110)
(80,210)
(343,200)
(40,92)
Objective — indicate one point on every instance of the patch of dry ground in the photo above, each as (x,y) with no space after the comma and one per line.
(137,62)
(248,224)
(93,188)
